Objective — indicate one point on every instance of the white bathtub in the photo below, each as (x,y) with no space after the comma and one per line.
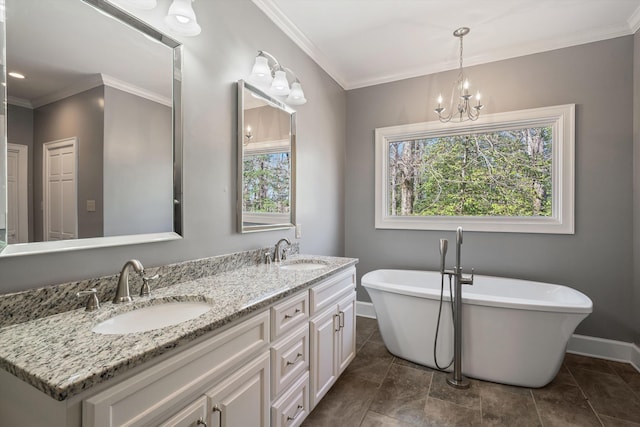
(514,331)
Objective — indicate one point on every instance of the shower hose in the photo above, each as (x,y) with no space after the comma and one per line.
(435,341)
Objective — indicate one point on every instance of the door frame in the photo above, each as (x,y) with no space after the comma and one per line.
(46,147)
(22,231)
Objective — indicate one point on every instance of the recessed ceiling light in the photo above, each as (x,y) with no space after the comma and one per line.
(16,75)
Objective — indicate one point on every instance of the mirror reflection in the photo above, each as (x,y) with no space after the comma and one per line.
(266,161)
(90,123)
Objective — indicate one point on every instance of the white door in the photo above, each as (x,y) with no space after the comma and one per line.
(17,203)
(60,190)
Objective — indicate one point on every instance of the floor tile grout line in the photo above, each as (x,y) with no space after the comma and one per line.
(364,415)
(535,405)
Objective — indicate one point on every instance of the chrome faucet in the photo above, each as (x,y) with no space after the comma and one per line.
(280,254)
(122,293)
(456,380)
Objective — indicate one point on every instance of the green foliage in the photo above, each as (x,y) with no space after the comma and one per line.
(503,173)
(266,183)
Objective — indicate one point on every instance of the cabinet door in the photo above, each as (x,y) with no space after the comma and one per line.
(242,399)
(323,353)
(194,415)
(347,332)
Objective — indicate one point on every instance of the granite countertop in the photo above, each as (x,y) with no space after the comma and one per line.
(61,356)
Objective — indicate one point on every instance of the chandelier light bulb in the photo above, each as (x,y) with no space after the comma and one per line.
(439,100)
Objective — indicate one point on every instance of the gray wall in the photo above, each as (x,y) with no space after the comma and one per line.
(232,33)
(20,131)
(79,116)
(138,165)
(598,79)
(636,184)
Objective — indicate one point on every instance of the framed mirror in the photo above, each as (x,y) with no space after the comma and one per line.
(93,128)
(266,161)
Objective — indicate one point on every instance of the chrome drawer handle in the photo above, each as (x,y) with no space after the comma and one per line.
(298,411)
(289,363)
(201,422)
(336,316)
(288,316)
(341,319)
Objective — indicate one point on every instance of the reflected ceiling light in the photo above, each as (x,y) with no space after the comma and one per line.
(460,95)
(139,4)
(16,75)
(182,19)
(270,75)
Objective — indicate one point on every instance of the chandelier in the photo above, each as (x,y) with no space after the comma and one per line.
(460,94)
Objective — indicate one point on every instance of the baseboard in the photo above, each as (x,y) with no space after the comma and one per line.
(365,309)
(605,349)
(578,344)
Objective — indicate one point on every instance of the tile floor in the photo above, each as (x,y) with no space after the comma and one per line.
(381,390)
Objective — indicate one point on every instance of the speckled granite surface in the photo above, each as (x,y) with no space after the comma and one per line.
(61,356)
(42,302)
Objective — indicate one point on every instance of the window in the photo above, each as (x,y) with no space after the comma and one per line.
(266,175)
(507,172)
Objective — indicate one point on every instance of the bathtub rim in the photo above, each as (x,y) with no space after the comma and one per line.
(586,307)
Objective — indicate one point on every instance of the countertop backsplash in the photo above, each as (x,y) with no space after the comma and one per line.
(24,306)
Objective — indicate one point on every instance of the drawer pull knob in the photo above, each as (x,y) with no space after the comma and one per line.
(288,316)
(289,363)
(298,411)
(201,422)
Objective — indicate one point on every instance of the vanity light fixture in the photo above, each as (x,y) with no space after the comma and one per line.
(460,93)
(248,135)
(182,19)
(270,75)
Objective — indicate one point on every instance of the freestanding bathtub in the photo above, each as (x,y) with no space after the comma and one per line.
(514,331)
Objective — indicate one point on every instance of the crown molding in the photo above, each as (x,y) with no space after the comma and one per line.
(273,12)
(634,21)
(99,80)
(289,28)
(20,102)
(135,90)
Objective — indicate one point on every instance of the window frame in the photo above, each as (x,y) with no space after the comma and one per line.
(561,118)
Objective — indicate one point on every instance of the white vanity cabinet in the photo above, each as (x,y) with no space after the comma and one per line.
(269,369)
(332,328)
(215,366)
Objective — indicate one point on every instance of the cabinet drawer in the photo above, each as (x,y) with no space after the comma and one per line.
(192,416)
(326,293)
(293,407)
(143,398)
(289,358)
(287,314)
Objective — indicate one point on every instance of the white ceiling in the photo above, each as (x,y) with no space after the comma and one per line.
(367,42)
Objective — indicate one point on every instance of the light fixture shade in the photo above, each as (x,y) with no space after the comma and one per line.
(280,84)
(139,4)
(296,96)
(182,19)
(261,73)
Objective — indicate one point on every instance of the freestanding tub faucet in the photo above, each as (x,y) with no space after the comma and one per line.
(456,380)
(122,293)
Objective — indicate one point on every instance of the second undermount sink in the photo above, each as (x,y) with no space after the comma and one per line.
(303,265)
(151,317)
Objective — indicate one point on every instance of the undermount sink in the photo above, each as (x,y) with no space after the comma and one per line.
(303,265)
(151,317)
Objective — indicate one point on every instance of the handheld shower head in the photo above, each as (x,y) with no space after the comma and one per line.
(443,253)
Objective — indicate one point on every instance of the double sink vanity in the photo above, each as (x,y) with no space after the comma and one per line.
(250,344)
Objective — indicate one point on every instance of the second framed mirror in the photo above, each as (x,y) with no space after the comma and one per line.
(266,161)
